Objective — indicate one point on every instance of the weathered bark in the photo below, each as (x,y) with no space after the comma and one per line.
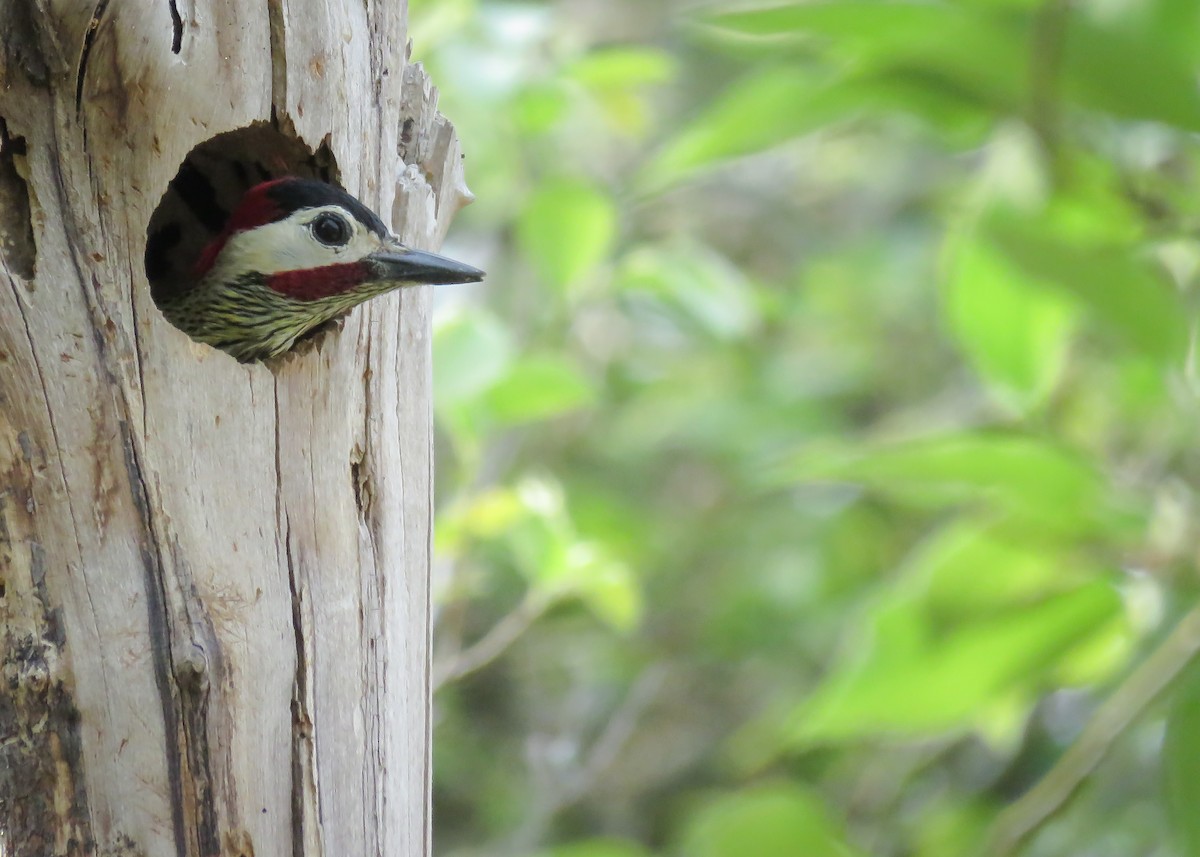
(213,576)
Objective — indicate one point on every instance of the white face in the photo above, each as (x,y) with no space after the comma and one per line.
(300,241)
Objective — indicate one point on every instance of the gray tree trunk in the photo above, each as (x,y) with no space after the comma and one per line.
(214,616)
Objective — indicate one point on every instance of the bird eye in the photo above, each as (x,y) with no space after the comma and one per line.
(330,230)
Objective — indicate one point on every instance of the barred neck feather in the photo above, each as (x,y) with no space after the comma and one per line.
(250,320)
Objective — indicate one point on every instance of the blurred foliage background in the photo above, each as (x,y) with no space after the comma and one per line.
(817,466)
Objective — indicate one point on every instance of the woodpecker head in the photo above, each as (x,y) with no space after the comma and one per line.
(294,254)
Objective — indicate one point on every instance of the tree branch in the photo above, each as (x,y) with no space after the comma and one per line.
(489,647)
(1020,820)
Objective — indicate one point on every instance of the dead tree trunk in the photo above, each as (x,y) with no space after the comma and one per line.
(213,576)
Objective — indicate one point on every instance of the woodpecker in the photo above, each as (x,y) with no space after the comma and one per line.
(294,254)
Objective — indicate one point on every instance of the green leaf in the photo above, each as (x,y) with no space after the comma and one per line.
(763,110)
(1032,481)
(1174,24)
(486,515)
(953,66)
(861,20)
(536,388)
(973,567)
(538,108)
(697,283)
(540,540)
(955,825)
(949,682)
(607,587)
(764,821)
(1126,71)
(431,22)
(597,848)
(1112,281)
(558,564)
(566,230)
(1015,332)
(1181,761)
(471,350)
(622,67)
(950,46)
(619,79)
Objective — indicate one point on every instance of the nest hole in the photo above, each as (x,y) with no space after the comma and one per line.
(206,190)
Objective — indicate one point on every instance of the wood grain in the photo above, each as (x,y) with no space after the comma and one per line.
(214,610)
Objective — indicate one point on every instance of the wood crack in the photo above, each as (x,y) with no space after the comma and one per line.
(276,19)
(151,548)
(62,471)
(176,27)
(41,781)
(304,797)
(138,358)
(89,37)
(301,720)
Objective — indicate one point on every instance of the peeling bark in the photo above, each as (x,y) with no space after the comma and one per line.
(213,577)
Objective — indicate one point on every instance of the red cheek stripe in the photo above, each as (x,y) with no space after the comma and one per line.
(256,209)
(312,284)
(208,256)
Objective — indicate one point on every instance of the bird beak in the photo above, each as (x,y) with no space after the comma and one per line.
(399,264)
